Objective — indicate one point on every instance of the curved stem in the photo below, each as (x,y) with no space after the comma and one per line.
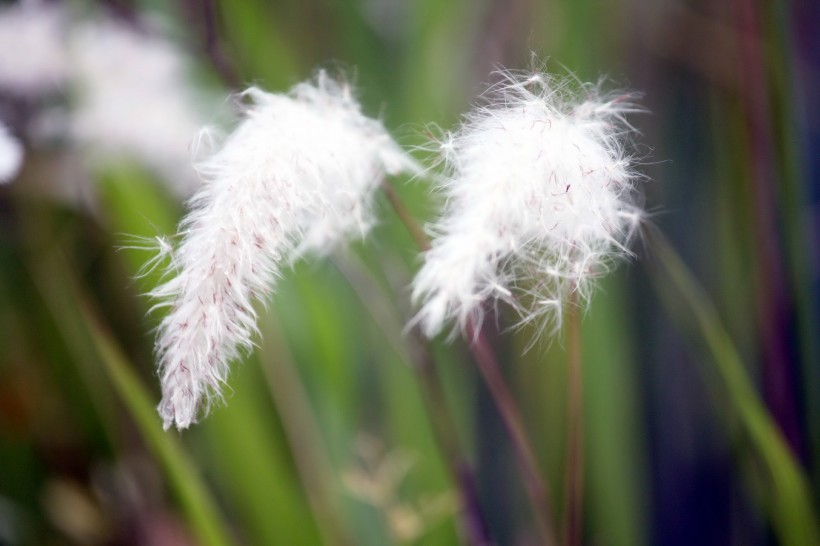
(789,505)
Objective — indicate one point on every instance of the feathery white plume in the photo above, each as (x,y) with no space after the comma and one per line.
(540,199)
(297,175)
(11,155)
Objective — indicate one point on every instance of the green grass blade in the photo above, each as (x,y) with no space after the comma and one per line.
(245,446)
(789,504)
(615,449)
(794,193)
(69,308)
(301,431)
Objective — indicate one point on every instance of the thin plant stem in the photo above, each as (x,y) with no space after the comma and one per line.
(212,47)
(773,298)
(444,429)
(574,493)
(406,217)
(502,396)
(511,417)
(473,521)
(301,429)
(794,189)
(788,503)
(71,307)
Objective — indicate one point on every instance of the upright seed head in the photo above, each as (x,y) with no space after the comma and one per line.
(540,197)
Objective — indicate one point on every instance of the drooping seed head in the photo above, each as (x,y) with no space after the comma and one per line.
(297,175)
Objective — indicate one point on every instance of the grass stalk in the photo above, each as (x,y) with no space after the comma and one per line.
(70,307)
(444,428)
(301,430)
(445,432)
(772,291)
(490,371)
(504,401)
(574,493)
(789,504)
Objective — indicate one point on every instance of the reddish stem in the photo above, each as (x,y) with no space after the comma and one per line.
(505,402)
(574,508)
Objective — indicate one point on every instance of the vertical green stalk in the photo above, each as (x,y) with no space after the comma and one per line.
(200,510)
(69,306)
(615,466)
(796,212)
(788,503)
(513,422)
(502,396)
(301,428)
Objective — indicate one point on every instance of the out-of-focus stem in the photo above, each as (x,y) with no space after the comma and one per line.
(445,431)
(84,333)
(574,507)
(406,217)
(511,417)
(301,430)
(472,519)
(788,501)
(211,45)
(502,397)
(773,293)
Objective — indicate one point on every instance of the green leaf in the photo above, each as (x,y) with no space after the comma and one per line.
(73,315)
(789,504)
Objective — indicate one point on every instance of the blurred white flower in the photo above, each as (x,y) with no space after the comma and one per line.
(129,92)
(11,155)
(540,197)
(33,58)
(133,100)
(296,175)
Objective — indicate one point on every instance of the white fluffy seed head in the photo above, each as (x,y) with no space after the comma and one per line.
(296,175)
(540,197)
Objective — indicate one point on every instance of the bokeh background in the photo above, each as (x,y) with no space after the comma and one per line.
(701,361)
